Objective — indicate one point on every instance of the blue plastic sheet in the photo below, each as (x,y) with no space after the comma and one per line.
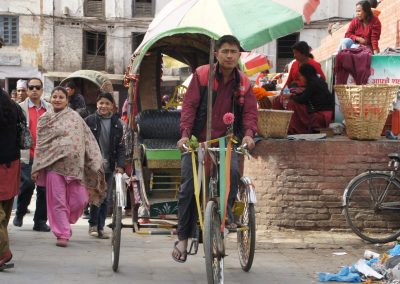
(395,251)
(344,275)
(372,261)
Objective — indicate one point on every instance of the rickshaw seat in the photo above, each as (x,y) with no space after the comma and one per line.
(158,124)
(158,132)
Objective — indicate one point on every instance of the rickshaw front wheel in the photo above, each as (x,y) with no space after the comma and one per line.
(116,232)
(213,243)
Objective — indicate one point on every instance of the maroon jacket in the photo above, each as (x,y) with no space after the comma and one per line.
(226,98)
(371,32)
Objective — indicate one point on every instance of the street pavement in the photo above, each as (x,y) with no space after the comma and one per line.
(281,257)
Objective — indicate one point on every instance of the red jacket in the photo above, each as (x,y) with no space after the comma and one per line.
(294,74)
(371,32)
(193,102)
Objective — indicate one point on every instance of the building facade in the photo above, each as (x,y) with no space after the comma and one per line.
(51,39)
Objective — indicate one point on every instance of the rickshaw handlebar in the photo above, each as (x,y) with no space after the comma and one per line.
(242,149)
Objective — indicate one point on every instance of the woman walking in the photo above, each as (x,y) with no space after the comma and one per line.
(67,159)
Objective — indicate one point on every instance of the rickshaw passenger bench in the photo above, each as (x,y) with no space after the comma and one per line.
(158,132)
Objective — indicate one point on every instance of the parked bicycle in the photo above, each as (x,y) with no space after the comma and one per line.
(371,203)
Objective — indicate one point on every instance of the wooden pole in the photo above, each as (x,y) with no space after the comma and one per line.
(210,90)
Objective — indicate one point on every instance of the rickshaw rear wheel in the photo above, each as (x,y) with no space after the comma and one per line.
(246,236)
(213,244)
(116,232)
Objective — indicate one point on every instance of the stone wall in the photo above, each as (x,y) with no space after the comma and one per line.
(300,184)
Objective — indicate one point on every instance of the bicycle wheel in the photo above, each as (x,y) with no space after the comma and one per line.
(116,232)
(246,235)
(213,244)
(372,207)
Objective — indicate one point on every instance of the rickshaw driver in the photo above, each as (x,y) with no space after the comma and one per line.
(232,93)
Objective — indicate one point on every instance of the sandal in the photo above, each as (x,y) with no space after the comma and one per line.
(231,226)
(181,254)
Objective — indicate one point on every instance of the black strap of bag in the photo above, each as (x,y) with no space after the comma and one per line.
(25,140)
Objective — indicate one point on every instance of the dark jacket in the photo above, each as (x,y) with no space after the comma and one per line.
(9,150)
(316,96)
(77,103)
(117,145)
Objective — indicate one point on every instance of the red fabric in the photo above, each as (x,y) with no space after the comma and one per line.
(354,61)
(224,91)
(303,122)
(34,115)
(371,31)
(294,74)
(9,176)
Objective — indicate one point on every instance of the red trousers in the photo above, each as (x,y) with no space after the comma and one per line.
(303,122)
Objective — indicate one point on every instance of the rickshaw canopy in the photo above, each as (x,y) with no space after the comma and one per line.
(253,22)
(99,79)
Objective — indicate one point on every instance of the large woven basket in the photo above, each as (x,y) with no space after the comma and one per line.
(365,108)
(273,123)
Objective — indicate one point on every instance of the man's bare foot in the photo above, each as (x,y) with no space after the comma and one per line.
(179,252)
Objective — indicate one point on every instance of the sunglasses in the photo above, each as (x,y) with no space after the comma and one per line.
(37,87)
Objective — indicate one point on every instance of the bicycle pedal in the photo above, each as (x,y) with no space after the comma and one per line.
(194,247)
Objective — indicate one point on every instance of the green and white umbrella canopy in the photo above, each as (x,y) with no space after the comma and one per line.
(253,22)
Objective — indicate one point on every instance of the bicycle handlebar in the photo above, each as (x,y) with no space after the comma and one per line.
(242,149)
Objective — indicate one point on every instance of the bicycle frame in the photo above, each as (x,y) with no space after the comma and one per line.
(222,163)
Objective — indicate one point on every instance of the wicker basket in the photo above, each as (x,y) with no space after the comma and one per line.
(265,103)
(365,108)
(273,123)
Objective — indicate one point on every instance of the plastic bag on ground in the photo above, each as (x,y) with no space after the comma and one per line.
(395,250)
(364,269)
(344,275)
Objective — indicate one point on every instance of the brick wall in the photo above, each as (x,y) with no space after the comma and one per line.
(389,17)
(300,184)
(69,47)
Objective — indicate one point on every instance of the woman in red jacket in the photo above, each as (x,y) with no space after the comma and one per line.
(364,29)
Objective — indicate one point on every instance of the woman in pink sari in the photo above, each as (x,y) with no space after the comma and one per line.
(68,162)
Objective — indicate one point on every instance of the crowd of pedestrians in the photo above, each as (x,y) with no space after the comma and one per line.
(70,164)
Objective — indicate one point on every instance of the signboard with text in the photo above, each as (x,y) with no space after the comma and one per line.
(385,69)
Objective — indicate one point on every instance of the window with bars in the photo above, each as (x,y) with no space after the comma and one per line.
(142,8)
(284,50)
(94,8)
(9,30)
(95,50)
